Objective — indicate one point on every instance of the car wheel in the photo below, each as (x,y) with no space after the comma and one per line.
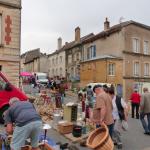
(2,110)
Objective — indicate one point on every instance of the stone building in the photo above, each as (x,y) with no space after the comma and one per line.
(34,61)
(10,29)
(74,55)
(128,41)
(57,62)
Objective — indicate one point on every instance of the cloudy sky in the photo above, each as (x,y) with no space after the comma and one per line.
(43,21)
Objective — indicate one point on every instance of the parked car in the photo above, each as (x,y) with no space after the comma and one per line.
(7,91)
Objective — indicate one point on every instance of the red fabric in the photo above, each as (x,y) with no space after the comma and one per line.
(135,97)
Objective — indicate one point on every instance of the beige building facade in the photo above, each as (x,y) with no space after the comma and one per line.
(10,30)
(34,61)
(129,41)
(57,62)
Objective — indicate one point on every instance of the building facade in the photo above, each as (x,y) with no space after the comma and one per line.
(10,30)
(57,64)
(34,61)
(74,56)
(129,41)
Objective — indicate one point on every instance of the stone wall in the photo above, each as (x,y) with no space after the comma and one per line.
(10,40)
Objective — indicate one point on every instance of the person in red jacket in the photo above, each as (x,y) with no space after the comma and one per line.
(135,102)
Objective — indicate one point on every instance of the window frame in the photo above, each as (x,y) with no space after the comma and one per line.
(137,49)
(146,70)
(91,52)
(69,59)
(146,52)
(136,70)
(111,69)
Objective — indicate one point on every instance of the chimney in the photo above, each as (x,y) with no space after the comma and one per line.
(77,34)
(59,43)
(106,24)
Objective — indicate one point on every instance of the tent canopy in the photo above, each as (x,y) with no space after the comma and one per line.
(26,74)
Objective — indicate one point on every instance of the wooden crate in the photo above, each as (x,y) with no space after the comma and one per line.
(65,128)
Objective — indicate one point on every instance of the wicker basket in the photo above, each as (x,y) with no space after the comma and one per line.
(100,139)
(65,128)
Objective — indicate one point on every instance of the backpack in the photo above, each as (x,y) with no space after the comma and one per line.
(120,108)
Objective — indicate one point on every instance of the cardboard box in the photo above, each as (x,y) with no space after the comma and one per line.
(65,128)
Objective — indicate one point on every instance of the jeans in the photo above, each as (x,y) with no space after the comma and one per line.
(135,106)
(117,131)
(30,130)
(146,125)
(111,129)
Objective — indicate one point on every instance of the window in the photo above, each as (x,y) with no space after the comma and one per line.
(56,72)
(91,52)
(136,45)
(60,59)
(53,72)
(111,69)
(49,62)
(69,59)
(77,56)
(56,61)
(146,69)
(145,47)
(136,68)
(60,72)
(53,61)
(88,53)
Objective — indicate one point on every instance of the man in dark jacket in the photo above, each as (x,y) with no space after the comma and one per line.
(27,123)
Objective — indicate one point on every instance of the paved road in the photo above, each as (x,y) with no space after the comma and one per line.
(133,139)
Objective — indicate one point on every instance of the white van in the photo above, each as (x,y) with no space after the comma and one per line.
(41,78)
(83,91)
(93,84)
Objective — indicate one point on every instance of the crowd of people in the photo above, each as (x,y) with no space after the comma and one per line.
(100,104)
(112,110)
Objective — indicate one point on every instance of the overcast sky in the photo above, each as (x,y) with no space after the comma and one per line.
(43,21)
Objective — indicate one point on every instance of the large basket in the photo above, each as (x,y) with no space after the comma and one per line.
(100,139)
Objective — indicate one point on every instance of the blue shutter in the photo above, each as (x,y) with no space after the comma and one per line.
(94,51)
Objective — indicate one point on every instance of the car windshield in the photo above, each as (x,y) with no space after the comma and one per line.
(42,77)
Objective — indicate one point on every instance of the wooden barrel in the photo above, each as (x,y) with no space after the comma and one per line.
(100,139)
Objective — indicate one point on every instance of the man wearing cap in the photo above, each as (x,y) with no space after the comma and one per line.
(102,112)
(27,123)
